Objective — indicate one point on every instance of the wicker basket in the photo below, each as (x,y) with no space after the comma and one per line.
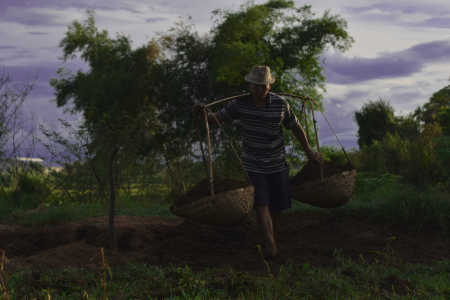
(335,190)
(229,208)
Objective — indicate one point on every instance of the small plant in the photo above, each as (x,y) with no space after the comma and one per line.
(105,269)
(4,290)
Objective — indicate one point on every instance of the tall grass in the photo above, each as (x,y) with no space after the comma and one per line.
(386,278)
(385,198)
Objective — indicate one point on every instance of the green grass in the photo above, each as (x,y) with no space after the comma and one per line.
(386,278)
(376,199)
(385,199)
(68,213)
(381,199)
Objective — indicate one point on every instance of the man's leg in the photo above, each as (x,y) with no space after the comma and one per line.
(276,222)
(265,224)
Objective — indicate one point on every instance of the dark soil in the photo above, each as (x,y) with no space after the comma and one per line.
(202,189)
(311,172)
(173,241)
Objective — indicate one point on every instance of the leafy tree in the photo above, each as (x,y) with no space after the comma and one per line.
(374,119)
(147,94)
(443,119)
(440,99)
(116,98)
(203,68)
(115,95)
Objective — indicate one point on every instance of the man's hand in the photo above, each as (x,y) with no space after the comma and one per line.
(314,157)
(199,110)
(213,118)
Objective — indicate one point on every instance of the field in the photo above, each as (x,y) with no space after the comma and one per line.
(389,242)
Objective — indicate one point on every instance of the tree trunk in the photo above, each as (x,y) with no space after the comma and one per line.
(112,203)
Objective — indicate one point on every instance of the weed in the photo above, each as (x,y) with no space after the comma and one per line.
(3,274)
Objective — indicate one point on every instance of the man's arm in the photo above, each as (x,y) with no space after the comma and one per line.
(312,156)
(214,118)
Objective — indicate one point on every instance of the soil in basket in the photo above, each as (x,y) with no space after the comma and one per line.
(202,189)
(311,172)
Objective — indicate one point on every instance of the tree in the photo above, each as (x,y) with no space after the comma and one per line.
(116,99)
(115,94)
(437,103)
(203,68)
(18,135)
(147,94)
(375,119)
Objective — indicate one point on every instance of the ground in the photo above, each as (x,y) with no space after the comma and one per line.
(173,241)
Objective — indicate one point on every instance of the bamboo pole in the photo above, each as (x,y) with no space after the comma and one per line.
(211,183)
(317,137)
(201,148)
(306,125)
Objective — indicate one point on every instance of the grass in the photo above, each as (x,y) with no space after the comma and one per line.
(386,278)
(383,198)
(386,199)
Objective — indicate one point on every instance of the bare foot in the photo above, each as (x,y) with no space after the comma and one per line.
(271,252)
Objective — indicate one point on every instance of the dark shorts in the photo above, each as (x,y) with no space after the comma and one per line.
(272,189)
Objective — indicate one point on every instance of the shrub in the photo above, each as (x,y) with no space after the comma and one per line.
(416,158)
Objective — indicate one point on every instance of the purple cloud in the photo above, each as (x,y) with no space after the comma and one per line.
(37,32)
(344,70)
(391,12)
(435,23)
(7,47)
(154,20)
(408,8)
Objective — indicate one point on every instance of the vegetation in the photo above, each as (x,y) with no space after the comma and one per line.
(387,277)
(141,102)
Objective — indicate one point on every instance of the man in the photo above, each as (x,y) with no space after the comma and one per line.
(262,116)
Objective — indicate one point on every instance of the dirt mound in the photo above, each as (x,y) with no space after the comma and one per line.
(202,189)
(173,241)
(311,172)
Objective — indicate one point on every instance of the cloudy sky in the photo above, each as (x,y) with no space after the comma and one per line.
(401,50)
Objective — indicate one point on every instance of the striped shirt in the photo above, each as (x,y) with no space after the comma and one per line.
(262,132)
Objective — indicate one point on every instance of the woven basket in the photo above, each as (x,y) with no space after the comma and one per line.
(229,208)
(335,190)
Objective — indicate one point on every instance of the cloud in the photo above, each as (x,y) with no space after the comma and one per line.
(405,8)
(435,23)
(154,20)
(434,15)
(345,70)
(36,16)
(7,47)
(37,33)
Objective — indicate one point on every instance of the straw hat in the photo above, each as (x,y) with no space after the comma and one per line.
(260,75)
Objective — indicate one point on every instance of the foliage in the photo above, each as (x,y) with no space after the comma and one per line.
(13,134)
(443,119)
(375,119)
(440,99)
(115,97)
(443,152)
(333,154)
(415,159)
(201,68)
(349,279)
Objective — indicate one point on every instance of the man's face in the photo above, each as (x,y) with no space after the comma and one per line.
(259,91)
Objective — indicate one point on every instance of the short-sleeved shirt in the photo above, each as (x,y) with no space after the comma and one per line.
(262,132)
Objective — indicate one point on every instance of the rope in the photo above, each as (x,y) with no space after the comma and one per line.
(184,159)
(245,172)
(308,98)
(348,158)
(295,96)
(293,143)
(201,147)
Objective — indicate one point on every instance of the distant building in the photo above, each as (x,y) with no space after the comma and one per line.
(23,162)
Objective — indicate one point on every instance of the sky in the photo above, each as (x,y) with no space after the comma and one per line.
(401,51)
